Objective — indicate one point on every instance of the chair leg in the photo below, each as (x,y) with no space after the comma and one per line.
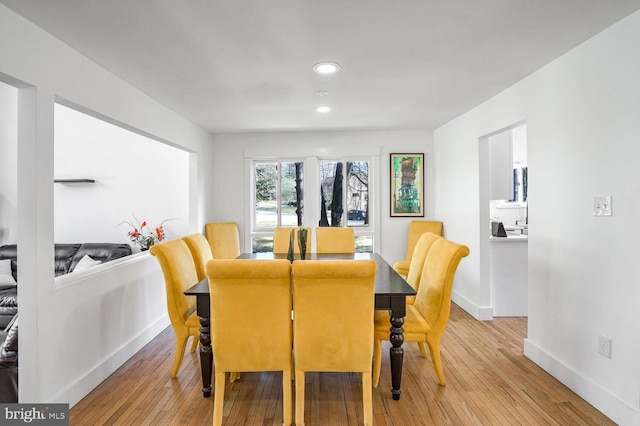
(233,376)
(367,404)
(377,360)
(194,343)
(218,399)
(299,398)
(287,407)
(423,349)
(181,344)
(434,349)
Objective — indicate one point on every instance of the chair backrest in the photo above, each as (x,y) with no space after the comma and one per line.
(335,240)
(417,261)
(201,252)
(420,251)
(179,272)
(333,314)
(416,229)
(224,239)
(250,314)
(281,240)
(433,300)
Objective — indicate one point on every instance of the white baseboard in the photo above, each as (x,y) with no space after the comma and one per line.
(73,393)
(478,312)
(594,394)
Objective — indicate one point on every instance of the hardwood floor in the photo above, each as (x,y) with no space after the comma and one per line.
(489,382)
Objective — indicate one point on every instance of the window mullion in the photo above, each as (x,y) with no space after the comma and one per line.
(279,194)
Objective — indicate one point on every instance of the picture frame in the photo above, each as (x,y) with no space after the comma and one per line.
(407,184)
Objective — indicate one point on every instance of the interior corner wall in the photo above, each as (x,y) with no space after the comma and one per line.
(230,149)
(116,314)
(8,164)
(583,130)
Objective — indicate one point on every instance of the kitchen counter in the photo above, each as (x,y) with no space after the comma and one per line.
(509,275)
(510,238)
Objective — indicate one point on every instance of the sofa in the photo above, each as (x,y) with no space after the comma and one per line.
(9,362)
(68,258)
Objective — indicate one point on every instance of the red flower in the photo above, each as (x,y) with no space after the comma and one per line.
(144,235)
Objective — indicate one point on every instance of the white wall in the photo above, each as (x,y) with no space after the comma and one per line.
(233,202)
(583,129)
(116,314)
(8,163)
(134,175)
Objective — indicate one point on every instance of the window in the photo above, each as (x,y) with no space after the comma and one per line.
(278,198)
(352,179)
(356,188)
(336,193)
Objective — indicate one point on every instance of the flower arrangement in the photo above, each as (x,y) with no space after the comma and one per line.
(145,236)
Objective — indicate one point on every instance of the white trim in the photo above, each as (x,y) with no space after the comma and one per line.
(610,405)
(481,313)
(74,392)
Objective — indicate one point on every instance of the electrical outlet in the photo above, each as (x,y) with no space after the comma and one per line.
(604,346)
(602,206)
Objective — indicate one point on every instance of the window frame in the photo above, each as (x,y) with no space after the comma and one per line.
(311,190)
(345,188)
(278,162)
(264,232)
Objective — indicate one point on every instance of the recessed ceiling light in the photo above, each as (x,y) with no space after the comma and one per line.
(324,109)
(326,68)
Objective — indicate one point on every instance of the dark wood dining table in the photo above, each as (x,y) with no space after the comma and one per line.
(391,291)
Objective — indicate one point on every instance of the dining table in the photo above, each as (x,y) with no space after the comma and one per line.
(391,291)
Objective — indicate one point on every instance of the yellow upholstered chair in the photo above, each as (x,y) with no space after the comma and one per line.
(333,323)
(224,239)
(281,240)
(416,228)
(417,261)
(201,252)
(179,272)
(251,323)
(335,240)
(427,318)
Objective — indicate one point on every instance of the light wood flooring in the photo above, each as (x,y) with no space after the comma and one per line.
(489,382)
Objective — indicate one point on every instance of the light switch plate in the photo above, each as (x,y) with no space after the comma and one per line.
(602,206)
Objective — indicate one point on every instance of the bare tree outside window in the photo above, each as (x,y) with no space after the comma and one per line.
(333,197)
(330,193)
(358,193)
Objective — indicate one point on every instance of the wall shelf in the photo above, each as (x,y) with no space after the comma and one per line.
(74,181)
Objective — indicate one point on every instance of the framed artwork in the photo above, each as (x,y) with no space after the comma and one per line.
(407,185)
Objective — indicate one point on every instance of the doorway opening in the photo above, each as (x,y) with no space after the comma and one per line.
(504,205)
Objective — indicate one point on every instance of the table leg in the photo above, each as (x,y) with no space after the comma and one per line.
(206,356)
(396,354)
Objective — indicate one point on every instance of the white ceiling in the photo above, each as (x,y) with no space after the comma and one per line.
(245,65)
